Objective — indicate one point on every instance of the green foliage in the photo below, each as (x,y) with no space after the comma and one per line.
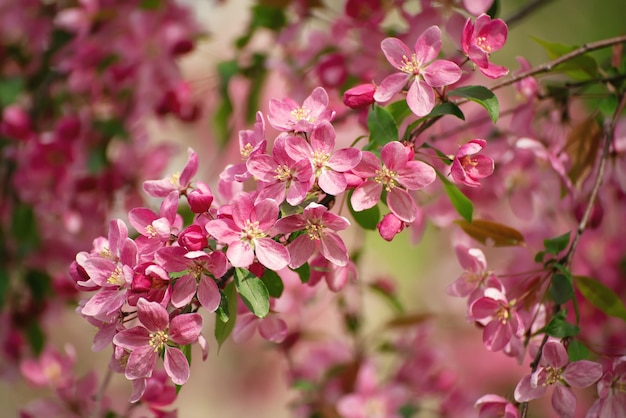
(559,327)
(24,229)
(460,202)
(581,67)
(35,337)
(225,71)
(39,283)
(561,288)
(481,95)
(601,296)
(10,89)
(304,272)
(558,244)
(226,315)
(150,4)
(4,285)
(446,108)
(256,72)
(576,350)
(273,282)
(263,16)
(253,292)
(382,126)
(367,219)
(492,233)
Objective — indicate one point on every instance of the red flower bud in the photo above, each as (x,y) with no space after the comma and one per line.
(359,96)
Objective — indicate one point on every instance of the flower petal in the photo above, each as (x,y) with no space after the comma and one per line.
(176,365)
(420,98)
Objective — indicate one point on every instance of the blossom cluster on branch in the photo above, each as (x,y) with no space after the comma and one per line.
(539,185)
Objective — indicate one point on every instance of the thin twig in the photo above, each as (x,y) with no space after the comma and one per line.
(520,14)
(549,66)
(609,131)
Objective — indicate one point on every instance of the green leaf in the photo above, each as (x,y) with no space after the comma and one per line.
(382,126)
(177,274)
(576,350)
(256,73)
(229,308)
(39,283)
(556,245)
(601,296)
(399,111)
(24,229)
(481,95)
(253,292)
(268,17)
(581,67)
(367,219)
(4,285)
(10,89)
(221,120)
(560,328)
(110,128)
(460,202)
(447,108)
(273,282)
(150,4)
(304,271)
(494,10)
(35,337)
(561,288)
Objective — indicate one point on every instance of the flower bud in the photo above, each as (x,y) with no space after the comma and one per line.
(389,226)
(200,198)
(359,96)
(193,238)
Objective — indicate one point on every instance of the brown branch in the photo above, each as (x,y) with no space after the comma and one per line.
(549,66)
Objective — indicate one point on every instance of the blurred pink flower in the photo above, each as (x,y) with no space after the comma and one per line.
(494,406)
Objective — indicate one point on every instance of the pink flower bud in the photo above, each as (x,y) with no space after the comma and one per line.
(193,238)
(359,96)
(200,198)
(15,123)
(389,226)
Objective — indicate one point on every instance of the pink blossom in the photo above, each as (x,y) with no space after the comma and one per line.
(475,264)
(468,166)
(328,164)
(336,276)
(251,142)
(155,335)
(282,177)
(247,233)
(480,39)
(556,370)
(178,182)
(51,368)
(200,198)
(494,406)
(271,328)
(420,68)
(320,228)
(502,320)
(395,175)
(287,115)
(611,393)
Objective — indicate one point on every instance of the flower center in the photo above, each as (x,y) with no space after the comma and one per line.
(251,231)
(301,113)
(483,43)
(320,158)
(387,178)
(553,375)
(283,173)
(175,178)
(315,229)
(246,150)
(410,66)
(151,231)
(116,277)
(106,253)
(158,340)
